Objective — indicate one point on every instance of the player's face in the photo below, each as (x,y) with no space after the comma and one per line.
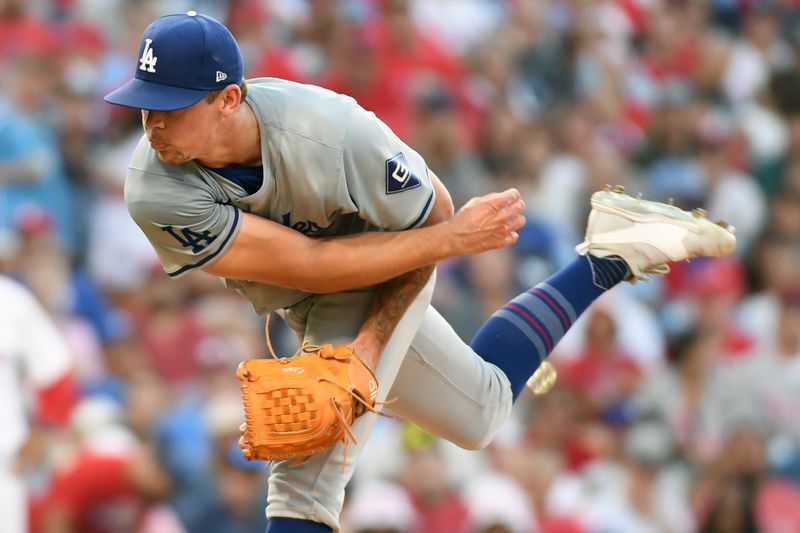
(182,135)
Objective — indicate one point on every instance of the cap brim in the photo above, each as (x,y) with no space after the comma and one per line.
(140,94)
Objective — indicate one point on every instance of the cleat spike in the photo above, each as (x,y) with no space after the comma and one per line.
(699,212)
(607,188)
(639,196)
(671,201)
(724,225)
(618,189)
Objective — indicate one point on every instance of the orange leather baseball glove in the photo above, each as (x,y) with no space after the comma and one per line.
(298,406)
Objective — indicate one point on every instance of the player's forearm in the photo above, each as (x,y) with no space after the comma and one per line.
(287,258)
(330,264)
(372,258)
(270,253)
(485,223)
(389,304)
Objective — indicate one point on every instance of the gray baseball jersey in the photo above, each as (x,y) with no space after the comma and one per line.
(330,168)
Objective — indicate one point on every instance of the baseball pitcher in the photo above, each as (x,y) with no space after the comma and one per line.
(310,206)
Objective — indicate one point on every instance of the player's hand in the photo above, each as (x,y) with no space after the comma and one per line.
(487,222)
(244,444)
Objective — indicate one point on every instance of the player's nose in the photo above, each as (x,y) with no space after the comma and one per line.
(152,119)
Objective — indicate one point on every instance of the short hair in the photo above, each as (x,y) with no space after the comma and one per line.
(212,95)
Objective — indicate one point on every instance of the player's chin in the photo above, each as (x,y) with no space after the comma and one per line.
(172,157)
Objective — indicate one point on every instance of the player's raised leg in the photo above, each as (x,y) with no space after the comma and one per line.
(626,239)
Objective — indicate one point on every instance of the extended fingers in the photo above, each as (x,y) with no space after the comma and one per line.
(513,214)
(510,224)
(517,206)
(247,450)
(243,443)
(498,201)
(517,222)
(504,199)
(510,195)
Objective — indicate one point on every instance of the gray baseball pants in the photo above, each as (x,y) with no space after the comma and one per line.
(440,384)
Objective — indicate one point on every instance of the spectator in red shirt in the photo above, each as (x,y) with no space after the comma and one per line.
(406,57)
(110,482)
(23,33)
(672,50)
(602,374)
(439,507)
(170,332)
(712,290)
(263,55)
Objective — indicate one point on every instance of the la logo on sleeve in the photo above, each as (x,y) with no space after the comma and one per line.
(399,176)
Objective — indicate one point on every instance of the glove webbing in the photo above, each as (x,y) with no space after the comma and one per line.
(307,347)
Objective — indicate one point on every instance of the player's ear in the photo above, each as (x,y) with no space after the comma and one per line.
(230,99)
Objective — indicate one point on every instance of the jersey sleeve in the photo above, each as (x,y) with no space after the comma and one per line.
(187,222)
(386,179)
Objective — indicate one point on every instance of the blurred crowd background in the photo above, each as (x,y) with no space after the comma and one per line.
(678,402)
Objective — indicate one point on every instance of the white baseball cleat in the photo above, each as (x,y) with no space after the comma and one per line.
(647,235)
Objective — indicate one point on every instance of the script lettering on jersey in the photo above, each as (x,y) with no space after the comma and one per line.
(148,61)
(306,227)
(399,176)
(191,239)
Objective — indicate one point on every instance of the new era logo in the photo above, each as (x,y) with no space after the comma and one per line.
(399,176)
(221,76)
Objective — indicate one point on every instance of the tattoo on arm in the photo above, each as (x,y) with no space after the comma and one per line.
(391,301)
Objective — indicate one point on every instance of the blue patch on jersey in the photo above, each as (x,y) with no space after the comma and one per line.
(399,176)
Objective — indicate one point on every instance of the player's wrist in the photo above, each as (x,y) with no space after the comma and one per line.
(440,240)
(367,347)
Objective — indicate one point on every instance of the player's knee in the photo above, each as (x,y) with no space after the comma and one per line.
(473,444)
(478,435)
(484,426)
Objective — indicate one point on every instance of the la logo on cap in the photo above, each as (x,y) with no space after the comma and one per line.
(148,61)
(181,58)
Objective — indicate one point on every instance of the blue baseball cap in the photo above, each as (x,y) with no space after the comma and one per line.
(181,59)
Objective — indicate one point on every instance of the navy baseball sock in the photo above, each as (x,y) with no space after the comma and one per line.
(519,336)
(295,525)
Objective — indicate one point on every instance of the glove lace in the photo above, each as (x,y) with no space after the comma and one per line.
(305,347)
(349,436)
